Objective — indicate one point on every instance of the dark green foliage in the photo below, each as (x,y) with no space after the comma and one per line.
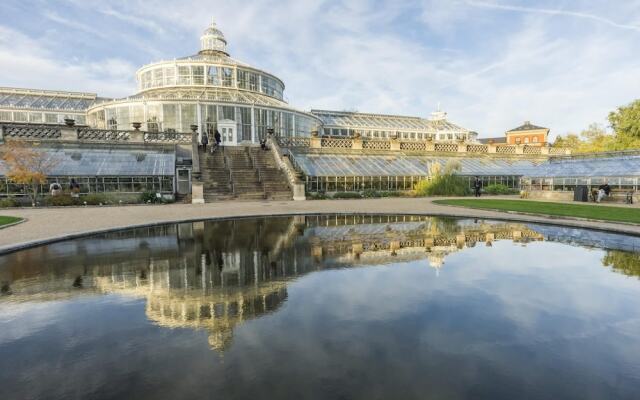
(347,195)
(61,201)
(149,197)
(499,188)
(9,202)
(317,196)
(376,194)
(95,199)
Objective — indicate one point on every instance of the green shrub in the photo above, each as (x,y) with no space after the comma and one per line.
(383,193)
(9,202)
(61,201)
(499,188)
(94,199)
(317,196)
(149,197)
(346,195)
(443,185)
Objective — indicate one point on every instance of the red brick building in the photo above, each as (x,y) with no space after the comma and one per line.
(528,134)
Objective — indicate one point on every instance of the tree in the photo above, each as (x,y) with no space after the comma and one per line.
(570,141)
(625,121)
(27,165)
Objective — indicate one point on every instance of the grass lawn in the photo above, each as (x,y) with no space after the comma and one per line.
(8,220)
(618,214)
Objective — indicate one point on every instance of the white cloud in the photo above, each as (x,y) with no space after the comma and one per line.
(28,64)
(561,12)
(492,65)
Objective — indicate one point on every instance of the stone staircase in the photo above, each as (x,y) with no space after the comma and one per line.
(215,177)
(274,182)
(243,173)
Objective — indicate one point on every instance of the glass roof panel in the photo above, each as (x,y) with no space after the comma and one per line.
(403,165)
(108,162)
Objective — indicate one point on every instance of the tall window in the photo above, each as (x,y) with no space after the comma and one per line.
(170,76)
(198,74)
(157,77)
(227,77)
(227,112)
(244,122)
(213,76)
(243,79)
(211,118)
(188,117)
(170,117)
(184,75)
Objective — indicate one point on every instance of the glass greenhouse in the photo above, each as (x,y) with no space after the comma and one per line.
(620,170)
(350,172)
(123,170)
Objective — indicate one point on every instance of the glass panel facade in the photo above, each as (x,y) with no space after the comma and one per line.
(244,123)
(198,74)
(188,117)
(170,117)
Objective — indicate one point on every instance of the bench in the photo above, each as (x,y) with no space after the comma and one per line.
(615,195)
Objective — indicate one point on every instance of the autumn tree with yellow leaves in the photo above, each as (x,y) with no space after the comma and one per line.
(26,165)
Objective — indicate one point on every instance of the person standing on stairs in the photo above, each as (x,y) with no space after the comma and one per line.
(216,136)
(205,141)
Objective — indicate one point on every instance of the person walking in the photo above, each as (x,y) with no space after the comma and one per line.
(477,185)
(205,141)
(603,191)
(217,138)
(74,188)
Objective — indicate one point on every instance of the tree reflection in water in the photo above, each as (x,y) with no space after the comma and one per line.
(623,262)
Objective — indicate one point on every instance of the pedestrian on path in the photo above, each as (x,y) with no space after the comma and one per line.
(477,185)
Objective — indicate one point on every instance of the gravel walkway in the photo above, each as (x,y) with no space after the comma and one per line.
(52,224)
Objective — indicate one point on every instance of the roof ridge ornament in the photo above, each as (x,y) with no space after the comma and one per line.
(438,115)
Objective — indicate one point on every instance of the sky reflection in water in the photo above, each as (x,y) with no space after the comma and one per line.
(324,307)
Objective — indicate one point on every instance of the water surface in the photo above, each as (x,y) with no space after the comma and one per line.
(335,307)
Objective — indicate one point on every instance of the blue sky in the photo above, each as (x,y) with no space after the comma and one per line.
(491,63)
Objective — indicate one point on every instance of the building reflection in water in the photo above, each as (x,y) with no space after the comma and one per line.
(214,275)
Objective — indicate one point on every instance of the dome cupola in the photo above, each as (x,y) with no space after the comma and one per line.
(212,41)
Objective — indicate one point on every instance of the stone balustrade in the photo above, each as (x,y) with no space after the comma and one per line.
(64,133)
(284,163)
(416,146)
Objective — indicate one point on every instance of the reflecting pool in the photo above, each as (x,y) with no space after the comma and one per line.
(324,307)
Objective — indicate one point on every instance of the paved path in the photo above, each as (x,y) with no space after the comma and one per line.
(50,224)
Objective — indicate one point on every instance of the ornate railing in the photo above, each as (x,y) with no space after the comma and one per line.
(413,146)
(477,148)
(506,149)
(532,150)
(103,135)
(293,141)
(336,143)
(446,147)
(167,137)
(557,150)
(35,132)
(376,145)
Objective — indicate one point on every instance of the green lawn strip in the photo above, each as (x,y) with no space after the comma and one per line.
(605,213)
(8,220)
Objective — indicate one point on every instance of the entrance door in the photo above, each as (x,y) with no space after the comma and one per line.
(228,132)
(183,183)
